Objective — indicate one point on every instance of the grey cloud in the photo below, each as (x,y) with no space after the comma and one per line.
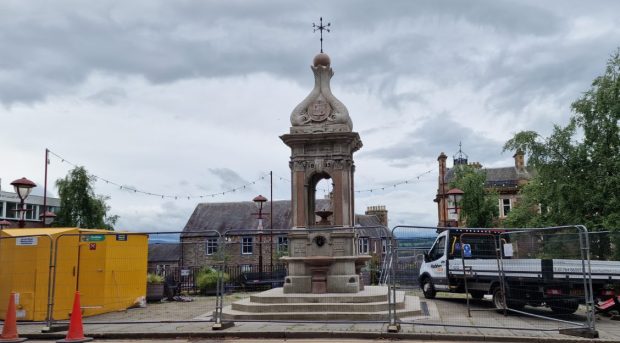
(437,134)
(108,96)
(60,44)
(229,178)
(515,82)
(170,217)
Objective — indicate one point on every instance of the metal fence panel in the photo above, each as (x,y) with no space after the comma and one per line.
(25,262)
(464,277)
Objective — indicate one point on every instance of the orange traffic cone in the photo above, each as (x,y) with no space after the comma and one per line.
(76,329)
(9,330)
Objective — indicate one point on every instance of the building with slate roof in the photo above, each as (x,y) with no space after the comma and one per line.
(507,181)
(237,223)
(164,257)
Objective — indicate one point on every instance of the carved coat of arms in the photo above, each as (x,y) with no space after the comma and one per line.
(319,110)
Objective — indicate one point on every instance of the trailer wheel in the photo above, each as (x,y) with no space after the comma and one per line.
(428,289)
(564,307)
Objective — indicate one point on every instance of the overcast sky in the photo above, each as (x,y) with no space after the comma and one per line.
(189,98)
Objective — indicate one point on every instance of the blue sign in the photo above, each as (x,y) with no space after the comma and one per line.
(466,250)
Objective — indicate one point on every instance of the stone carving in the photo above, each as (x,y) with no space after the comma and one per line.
(299,249)
(338,247)
(320,111)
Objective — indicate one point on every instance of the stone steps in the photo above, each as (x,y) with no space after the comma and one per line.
(276,296)
(247,305)
(315,307)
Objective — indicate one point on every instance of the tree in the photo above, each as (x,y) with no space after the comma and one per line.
(79,206)
(578,178)
(479,205)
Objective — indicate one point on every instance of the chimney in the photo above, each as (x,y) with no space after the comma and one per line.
(442,168)
(519,157)
(379,211)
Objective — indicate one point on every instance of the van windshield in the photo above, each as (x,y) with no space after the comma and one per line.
(438,249)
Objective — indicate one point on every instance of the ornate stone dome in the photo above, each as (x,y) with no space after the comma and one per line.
(320,111)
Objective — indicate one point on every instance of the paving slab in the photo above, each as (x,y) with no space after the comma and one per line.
(446,312)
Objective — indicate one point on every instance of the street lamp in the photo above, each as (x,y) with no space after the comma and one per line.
(23,187)
(259,201)
(47,217)
(455,196)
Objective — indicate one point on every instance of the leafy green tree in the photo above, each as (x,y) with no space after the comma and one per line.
(79,206)
(578,178)
(479,205)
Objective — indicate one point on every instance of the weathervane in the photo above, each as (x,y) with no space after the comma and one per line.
(321,27)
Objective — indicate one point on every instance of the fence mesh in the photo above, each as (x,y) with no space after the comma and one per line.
(442,280)
(462,276)
(25,270)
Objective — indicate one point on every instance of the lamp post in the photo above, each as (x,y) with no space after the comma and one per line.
(259,201)
(455,196)
(23,187)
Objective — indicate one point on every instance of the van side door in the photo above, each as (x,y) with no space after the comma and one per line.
(438,264)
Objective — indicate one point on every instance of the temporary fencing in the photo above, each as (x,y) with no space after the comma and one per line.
(249,249)
(27,271)
(428,279)
(537,279)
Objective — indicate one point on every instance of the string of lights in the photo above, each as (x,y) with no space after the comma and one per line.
(163,196)
(231,190)
(394,185)
(382,188)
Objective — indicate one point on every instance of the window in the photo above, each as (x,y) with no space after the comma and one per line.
(363,245)
(31,212)
(247,246)
(505,206)
(438,249)
(211,246)
(246,268)
(282,246)
(163,269)
(1,209)
(384,245)
(11,209)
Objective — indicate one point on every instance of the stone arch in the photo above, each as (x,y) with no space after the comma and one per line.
(313,180)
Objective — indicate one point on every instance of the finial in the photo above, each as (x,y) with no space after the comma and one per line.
(321,28)
(460,157)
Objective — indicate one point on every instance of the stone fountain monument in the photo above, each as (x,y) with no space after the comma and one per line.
(322,143)
(323,281)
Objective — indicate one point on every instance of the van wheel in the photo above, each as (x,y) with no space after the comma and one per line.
(499,302)
(428,289)
(564,307)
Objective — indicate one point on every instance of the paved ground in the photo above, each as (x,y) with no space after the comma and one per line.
(237,340)
(443,318)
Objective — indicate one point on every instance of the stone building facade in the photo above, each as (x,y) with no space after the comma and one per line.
(507,181)
(200,244)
